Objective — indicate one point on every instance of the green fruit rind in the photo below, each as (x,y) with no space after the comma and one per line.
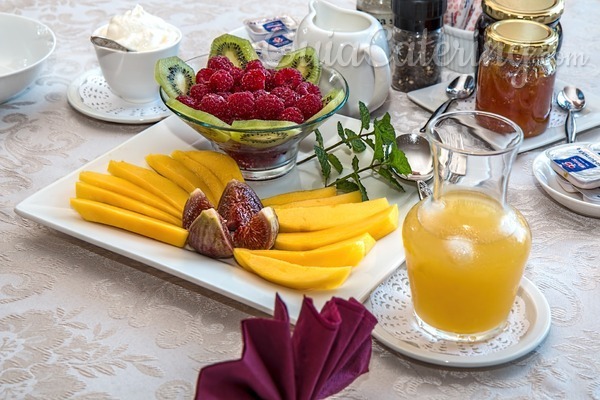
(189,114)
(305,60)
(330,102)
(174,76)
(238,50)
(261,140)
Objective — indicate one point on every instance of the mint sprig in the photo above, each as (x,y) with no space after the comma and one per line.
(387,159)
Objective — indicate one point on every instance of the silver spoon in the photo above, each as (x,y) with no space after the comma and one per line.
(109,44)
(461,87)
(417,151)
(572,100)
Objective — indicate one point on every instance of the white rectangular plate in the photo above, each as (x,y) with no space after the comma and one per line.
(432,97)
(50,206)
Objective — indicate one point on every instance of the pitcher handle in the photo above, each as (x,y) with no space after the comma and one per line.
(380,62)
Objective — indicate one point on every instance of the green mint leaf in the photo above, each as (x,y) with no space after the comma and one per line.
(335,162)
(345,186)
(361,187)
(355,162)
(389,177)
(324,162)
(356,143)
(342,134)
(319,138)
(365,116)
(398,161)
(386,129)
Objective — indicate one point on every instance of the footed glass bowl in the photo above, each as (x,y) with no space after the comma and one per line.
(267,150)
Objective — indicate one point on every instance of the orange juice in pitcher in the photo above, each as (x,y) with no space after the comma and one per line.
(466,248)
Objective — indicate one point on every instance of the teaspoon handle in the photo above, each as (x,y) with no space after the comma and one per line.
(440,110)
(570,127)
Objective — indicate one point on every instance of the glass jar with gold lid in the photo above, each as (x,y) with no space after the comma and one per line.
(516,75)
(547,12)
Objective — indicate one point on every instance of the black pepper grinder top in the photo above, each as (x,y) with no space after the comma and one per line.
(419,15)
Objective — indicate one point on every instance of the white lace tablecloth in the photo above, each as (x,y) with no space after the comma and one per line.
(80,322)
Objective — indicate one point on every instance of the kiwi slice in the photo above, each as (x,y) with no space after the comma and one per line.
(174,76)
(238,50)
(189,115)
(261,140)
(305,60)
(330,101)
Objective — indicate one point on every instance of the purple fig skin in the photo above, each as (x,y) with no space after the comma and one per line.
(209,236)
(238,204)
(259,233)
(195,204)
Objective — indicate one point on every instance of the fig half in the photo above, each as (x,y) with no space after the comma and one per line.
(238,204)
(259,233)
(195,204)
(209,235)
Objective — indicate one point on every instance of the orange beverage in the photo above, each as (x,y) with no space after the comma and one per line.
(465,255)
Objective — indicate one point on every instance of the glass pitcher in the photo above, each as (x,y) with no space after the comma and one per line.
(466,248)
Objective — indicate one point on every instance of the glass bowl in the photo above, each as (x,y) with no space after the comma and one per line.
(271,152)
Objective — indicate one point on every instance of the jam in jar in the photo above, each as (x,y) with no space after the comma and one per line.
(516,73)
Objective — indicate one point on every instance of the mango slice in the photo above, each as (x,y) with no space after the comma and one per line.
(344,198)
(215,186)
(84,190)
(126,188)
(307,219)
(292,275)
(377,225)
(222,165)
(346,253)
(177,172)
(299,195)
(94,211)
(151,181)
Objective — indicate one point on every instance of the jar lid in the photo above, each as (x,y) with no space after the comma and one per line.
(528,38)
(543,11)
(418,15)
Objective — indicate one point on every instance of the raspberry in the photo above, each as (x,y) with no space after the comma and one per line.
(214,104)
(221,81)
(241,105)
(269,83)
(286,94)
(255,64)
(204,75)
(287,77)
(307,87)
(309,104)
(258,93)
(219,62)
(292,114)
(253,79)
(269,107)
(236,74)
(188,101)
(199,90)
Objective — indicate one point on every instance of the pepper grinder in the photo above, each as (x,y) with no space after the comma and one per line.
(417,41)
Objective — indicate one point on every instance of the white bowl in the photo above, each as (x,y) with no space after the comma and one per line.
(24,47)
(458,53)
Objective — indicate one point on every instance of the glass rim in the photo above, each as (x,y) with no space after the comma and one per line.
(512,146)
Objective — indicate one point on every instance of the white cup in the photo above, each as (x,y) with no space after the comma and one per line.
(458,53)
(355,44)
(130,75)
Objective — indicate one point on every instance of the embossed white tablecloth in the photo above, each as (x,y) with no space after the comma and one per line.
(80,322)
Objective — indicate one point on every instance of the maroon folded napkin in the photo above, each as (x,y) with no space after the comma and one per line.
(327,352)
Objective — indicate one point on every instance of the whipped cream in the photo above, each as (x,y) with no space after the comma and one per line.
(140,31)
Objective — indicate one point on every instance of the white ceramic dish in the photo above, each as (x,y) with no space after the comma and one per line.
(537,313)
(24,46)
(431,97)
(50,206)
(547,178)
(90,94)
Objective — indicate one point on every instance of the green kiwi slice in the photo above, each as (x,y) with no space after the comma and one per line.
(238,50)
(330,101)
(267,138)
(189,115)
(305,60)
(174,76)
